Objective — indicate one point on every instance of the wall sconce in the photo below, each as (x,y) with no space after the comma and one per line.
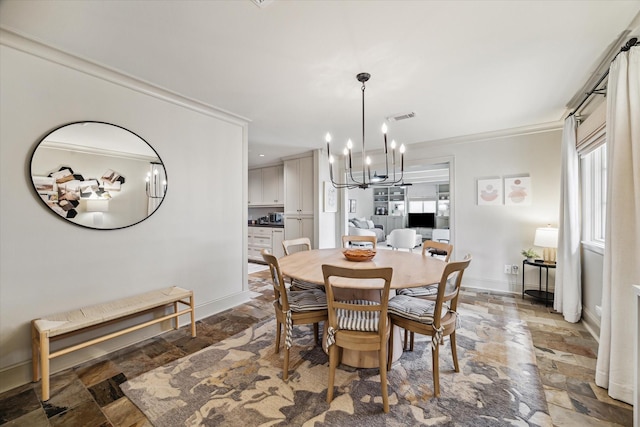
(547,238)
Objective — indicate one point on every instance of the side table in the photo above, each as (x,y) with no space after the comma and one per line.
(538,294)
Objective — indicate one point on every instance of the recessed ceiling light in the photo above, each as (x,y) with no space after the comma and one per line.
(261,155)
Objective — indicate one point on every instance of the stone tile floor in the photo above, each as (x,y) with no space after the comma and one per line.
(89,394)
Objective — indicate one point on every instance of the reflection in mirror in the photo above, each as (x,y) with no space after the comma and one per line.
(98,175)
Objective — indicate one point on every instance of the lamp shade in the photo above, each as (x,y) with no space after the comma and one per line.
(97,205)
(546,237)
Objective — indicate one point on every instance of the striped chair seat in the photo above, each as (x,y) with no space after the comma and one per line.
(417,309)
(428,290)
(301,285)
(351,320)
(423,291)
(308,300)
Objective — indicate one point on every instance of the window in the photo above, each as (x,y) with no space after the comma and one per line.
(593,167)
(422,206)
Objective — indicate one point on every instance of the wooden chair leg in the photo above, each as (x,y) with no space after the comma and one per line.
(285,368)
(405,343)
(35,352)
(412,337)
(316,332)
(382,356)
(436,371)
(390,352)
(278,331)
(44,365)
(193,316)
(333,364)
(454,351)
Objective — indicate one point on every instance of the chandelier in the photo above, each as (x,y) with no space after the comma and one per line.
(367,180)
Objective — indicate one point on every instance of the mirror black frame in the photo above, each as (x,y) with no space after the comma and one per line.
(110,179)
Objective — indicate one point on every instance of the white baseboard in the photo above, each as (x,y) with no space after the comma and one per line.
(591,322)
(491,285)
(20,373)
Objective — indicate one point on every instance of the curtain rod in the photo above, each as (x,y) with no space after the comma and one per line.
(632,42)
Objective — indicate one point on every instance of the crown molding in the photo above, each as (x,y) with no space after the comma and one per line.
(31,46)
(498,134)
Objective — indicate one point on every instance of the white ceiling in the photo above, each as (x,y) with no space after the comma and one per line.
(464,67)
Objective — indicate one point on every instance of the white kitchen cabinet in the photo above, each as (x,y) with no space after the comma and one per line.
(298,226)
(298,200)
(255,187)
(259,238)
(298,184)
(266,186)
(277,237)
(273,185)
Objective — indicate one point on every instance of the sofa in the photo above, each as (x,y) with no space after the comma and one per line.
(366,227)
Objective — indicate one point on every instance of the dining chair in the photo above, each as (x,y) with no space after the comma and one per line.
(293,308)
(435,249)
(295,245)
(361,241)
(439,250)
(360,324)
(433,318)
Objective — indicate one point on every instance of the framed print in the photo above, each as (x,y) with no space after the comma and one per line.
(330,198)
(517,191)
(489,192)
(352,206)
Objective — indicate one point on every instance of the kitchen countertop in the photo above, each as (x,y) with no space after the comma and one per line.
(267,225)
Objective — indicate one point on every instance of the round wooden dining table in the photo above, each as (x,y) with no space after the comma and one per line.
(409,270)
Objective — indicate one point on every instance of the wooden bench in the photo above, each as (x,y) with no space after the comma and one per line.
(62,325)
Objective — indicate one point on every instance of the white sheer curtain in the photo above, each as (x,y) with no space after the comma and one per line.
(615,365)
(568,291)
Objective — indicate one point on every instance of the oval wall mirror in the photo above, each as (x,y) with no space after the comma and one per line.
(98,175)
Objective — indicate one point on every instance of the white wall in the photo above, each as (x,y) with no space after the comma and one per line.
(196,239)
(495,235)
(364,202)
(592,278)
(326,223)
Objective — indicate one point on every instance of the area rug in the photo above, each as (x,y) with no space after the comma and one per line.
(238,382)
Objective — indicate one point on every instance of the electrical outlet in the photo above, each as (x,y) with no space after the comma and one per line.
(514,269)
(507,269)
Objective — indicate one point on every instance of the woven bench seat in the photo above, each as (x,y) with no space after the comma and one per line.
(65,324)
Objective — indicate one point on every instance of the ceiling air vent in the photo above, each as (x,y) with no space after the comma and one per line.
(398,117)
(261,3)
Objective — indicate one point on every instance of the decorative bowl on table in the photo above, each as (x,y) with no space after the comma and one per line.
(359,254)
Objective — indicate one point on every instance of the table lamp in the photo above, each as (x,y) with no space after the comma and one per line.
(97,207)
(547,238)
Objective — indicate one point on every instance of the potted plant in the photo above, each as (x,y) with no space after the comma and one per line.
(529,254)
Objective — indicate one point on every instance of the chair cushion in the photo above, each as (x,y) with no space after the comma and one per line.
(420,292)
(301,285)
(366,321)
(417,309)
(308,300)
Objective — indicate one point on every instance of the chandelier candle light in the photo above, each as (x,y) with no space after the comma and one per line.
(154,191)
(367,180)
